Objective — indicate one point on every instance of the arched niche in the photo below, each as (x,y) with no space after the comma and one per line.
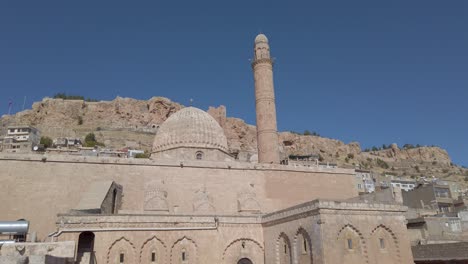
(283,249)
(350,245)
(184,251)
(153,251)
(122,251)
(302,247)
(384,245)
(243,248)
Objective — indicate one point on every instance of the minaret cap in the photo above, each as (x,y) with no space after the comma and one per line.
(261,38)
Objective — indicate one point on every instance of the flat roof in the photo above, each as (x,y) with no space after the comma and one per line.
(441,252)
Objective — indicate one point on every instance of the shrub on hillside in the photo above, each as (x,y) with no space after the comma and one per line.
(142,155)
(382,164)
(46,142)
(90,141)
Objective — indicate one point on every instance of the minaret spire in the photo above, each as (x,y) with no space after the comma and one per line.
(267,134)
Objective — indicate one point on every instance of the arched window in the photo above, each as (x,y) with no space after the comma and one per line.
(382,243)
(199,155)
(284,248)
(184,256)
(350,243)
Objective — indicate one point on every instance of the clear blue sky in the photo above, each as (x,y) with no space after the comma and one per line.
(369,71)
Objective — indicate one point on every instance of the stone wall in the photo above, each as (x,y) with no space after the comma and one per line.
(327,227)
(37,253)
(38,187)
(202,239)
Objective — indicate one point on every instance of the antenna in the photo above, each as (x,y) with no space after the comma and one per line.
(10,103)
(24,102)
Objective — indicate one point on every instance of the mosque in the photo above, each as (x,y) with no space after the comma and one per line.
(192,202)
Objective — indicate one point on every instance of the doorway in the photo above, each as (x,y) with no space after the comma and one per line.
(244,261)
(86,248)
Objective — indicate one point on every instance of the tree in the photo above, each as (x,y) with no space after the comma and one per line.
(90,141)
(374,148)
(307,133)
(145,155)
(408,146)
(46,142)
(90,137)
(73,97)
(320,158)
(417,168)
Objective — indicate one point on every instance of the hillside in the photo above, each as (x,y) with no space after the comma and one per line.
(126,122)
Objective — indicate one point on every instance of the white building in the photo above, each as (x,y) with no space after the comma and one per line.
(364,181)
(20,139)
(404,184)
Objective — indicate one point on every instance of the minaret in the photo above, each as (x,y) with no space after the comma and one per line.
(267,135)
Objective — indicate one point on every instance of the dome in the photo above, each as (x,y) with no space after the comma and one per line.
(190,127)
(261,38)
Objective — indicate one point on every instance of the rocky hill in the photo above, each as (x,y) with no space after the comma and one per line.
(126,122)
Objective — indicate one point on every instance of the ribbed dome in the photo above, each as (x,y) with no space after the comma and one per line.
(190,127)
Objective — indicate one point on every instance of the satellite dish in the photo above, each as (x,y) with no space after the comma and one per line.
(35,148)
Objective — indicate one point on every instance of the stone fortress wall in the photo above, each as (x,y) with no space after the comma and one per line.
(37,187)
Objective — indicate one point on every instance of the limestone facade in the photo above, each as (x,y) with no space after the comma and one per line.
(314,232)
(48,185)
(267,134)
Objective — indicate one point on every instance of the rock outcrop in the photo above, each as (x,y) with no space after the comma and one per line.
(127,122)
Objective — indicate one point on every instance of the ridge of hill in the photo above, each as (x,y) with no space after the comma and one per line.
(127,122)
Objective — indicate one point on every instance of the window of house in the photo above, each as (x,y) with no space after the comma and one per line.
(441,192)
(359,186)
(455,225)
(350,243)
(121,258)
(382,243)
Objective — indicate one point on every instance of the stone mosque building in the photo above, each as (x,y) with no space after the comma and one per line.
(194,203)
